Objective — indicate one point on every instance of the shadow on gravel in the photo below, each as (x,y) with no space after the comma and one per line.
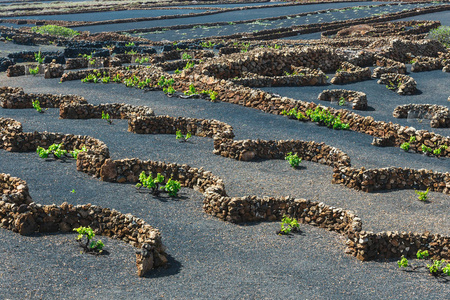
(172,267)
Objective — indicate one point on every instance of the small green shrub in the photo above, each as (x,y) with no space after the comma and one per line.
(212,94)
(56,150)
(405,146)
(438,266)
(141,60)
(288,225)
(38,57)
(55,30)
(181,137)
(422,254)
(172,187)
(403,262)
(169,90)
(293,113)
(323,117)
(34,71)
(422,196)
(37,106)
(412,139)
(106,116)
(341,101)
(153,184)
(191,91)
(84,238)
(189,64)
(293,159)
(426,149)
(186,56)
(75,152)
(441,34)
(130,44)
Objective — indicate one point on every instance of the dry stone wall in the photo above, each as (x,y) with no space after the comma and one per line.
(439,115)
(392,244)
(169,125)
(358,99)
(17,98)
(424,63)
(403,84)
(348,72)
(115,111)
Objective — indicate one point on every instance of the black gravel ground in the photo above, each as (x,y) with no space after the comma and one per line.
(210,258)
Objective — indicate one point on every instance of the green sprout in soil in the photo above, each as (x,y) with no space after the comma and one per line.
(37,106)
(73,191)
(405,146)
(191,91)
(341,101)
(186,56)
(293,159)
(84,238)
(288,225)
(34,71)
(422,196)
(181,137)
(212,94)
(38,57)
(403,262)
(189,64)
(422,254)
(106,116)
(293,113)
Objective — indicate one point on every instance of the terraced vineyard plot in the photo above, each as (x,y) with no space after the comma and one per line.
(242,106)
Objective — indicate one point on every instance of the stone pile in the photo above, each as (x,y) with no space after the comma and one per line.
(438,114)
(115,111)
(348,72)
(403,84)
(358,99)
(21,215)
(17,98)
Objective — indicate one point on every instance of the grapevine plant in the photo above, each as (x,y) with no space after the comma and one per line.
(84,238)
(437,268)
(288,225)
(58,152)
(153,184)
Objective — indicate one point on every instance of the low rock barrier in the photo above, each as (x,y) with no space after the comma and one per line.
(357,99)
(115,111)
(16,98)
(403,84)
(348,72)
(439,115)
